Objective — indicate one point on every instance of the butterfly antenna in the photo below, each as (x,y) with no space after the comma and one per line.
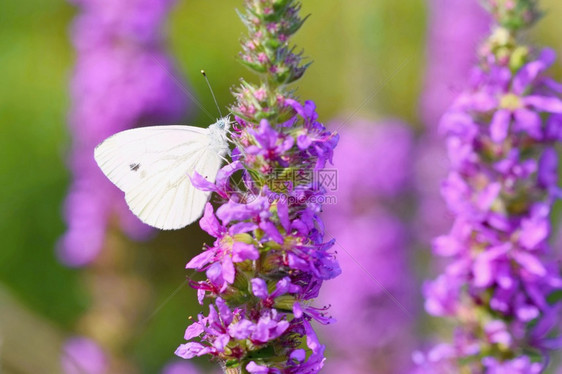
(212,93)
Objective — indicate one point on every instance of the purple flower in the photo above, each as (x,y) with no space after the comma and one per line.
(375,161)
(120,81)
(269,144)
(442,296)
(220,329)
(314,138)
(269,256)
(455,27)
(374,171)
(243,226)
(508,97)
(501,187)
(180,367)
(254,368)
(520,365)
(238,251)
(439,360)
(83,356)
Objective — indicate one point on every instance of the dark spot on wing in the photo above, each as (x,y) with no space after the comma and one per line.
(134,167)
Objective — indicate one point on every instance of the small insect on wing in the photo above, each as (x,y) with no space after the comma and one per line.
(153,165)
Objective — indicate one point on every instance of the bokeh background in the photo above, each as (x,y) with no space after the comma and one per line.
(370,62)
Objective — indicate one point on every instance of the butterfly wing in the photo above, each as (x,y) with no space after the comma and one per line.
(153,165)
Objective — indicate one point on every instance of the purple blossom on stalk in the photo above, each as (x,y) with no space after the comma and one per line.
(269,257)
(180,367)
(120,81)
(374,178)
(501,134)
(83,356)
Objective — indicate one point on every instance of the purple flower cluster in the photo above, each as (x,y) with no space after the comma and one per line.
(502,185)
(121,80)
(269,258)
(83,356)
(374,178)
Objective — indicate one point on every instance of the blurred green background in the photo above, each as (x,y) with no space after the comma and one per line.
(356,46)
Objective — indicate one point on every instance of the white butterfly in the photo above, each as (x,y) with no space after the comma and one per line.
(153,166)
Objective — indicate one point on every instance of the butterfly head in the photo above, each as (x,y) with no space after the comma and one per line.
(222,123)
(218,135)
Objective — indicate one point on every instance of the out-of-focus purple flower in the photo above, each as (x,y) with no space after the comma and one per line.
(180,367)
(375,162)
(440,360)
(374,176)
(442,296)
(519,365)
(501,188)
(121,80)
(455,27)
(83,356)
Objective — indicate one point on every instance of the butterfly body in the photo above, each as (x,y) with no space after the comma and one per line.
(153,166)
(217,136)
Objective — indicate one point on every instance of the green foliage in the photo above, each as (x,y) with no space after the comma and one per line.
(36,58)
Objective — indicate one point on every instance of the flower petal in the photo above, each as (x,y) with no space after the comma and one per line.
(259,288)
(500,125)
(210,223)
(244,251)
(202,259)
(544,103)
(201,183)
(530,263)
(528,121)
(190,350)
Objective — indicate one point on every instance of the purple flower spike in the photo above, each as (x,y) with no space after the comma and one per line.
(455,27)
(369,232)
(120,81)
(269,256)
(501,187)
